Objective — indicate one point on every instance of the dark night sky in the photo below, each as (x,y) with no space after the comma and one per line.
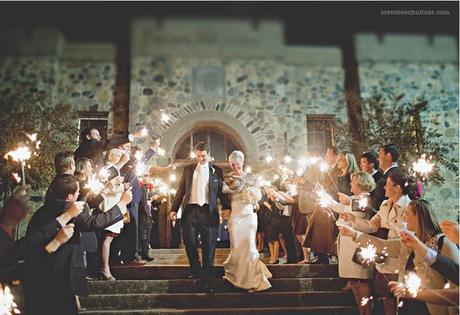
(305,22)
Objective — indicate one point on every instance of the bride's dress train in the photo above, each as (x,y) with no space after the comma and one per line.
(243,267)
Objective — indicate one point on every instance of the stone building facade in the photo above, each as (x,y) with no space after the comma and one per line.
(236,77)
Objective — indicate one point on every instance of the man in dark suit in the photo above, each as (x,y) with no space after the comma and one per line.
(388,159)
(53,281)
(199,188)
(93,147)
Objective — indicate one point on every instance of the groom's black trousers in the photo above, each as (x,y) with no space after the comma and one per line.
(196,221)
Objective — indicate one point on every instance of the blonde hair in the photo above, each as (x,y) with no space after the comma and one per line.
(364,180)
(352,165)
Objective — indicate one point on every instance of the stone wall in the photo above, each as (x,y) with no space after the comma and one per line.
(268,91)
(418,68)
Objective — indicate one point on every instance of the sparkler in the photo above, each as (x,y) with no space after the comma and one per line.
(413,283)
(104,174)
(323,167)
(17,178)
(192,155)
(268,159)
(362,202)
(7,304)
(21,154)
(172,177)
(423,166)
(248,169)
(138,155)
(287,159)
(94,184)
(366,300)
(144,132)
(141,169)
(368,253)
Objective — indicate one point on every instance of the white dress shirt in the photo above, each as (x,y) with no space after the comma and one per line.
(200,185)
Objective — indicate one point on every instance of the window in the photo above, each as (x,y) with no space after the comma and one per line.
(319,133)
(220,144)
(97,120)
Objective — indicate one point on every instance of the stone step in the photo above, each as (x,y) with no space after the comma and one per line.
(219,285)
(154,272)
(218,300)
(315,310)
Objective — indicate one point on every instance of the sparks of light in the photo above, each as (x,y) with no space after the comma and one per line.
(94,184)
(17,177)
(104,173)
(192,155)
(141,169)
(165,117)
(447,286)
(144,132)
(138,155)
(172,177)
(20,154)
(37,145)
(423,166)
(323,167)
(362,202)
(164,189)
(32,137)
(157,182)
(400,304)
(313,159)
(364,301)
(287,159)
(292,189)
(161,152)
(368,253)
(412,283)
(268,159)
(248,169)
(324,199)
(7,304)
(173,191)
(300,171)
(302,162)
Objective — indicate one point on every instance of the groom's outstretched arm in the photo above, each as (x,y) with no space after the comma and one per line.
(180,193)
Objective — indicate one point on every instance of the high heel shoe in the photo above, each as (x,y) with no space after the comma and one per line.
(106,277)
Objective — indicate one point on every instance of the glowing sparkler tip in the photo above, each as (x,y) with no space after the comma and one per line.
(144,132)
(161,152)
(165,117)
(268,159)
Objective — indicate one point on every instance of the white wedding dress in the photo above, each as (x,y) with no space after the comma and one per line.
(242,266)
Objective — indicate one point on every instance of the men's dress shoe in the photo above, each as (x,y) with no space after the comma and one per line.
(134,263)
(147,258)
(207,288)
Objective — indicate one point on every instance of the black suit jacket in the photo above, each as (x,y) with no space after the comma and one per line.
(215,189)
(65,268)
(94,149)
(446,267)
(379,192)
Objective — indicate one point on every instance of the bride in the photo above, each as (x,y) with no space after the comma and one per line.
(242,266)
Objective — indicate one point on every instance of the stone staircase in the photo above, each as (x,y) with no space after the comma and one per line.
(162,287)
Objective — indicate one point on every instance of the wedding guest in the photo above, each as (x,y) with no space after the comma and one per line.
(64,164)
(388,160)
(361,184)
(92,146)
(399,190)
(63,272)
(272,223)
(421,219)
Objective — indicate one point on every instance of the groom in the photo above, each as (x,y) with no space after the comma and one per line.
(199,188)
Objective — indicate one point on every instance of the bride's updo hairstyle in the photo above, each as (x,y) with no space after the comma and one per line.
(237,157)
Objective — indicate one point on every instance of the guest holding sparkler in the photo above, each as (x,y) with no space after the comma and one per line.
(388,160)
(421,220)
(64,272)
(361,184)
(399,190)
(93,147)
